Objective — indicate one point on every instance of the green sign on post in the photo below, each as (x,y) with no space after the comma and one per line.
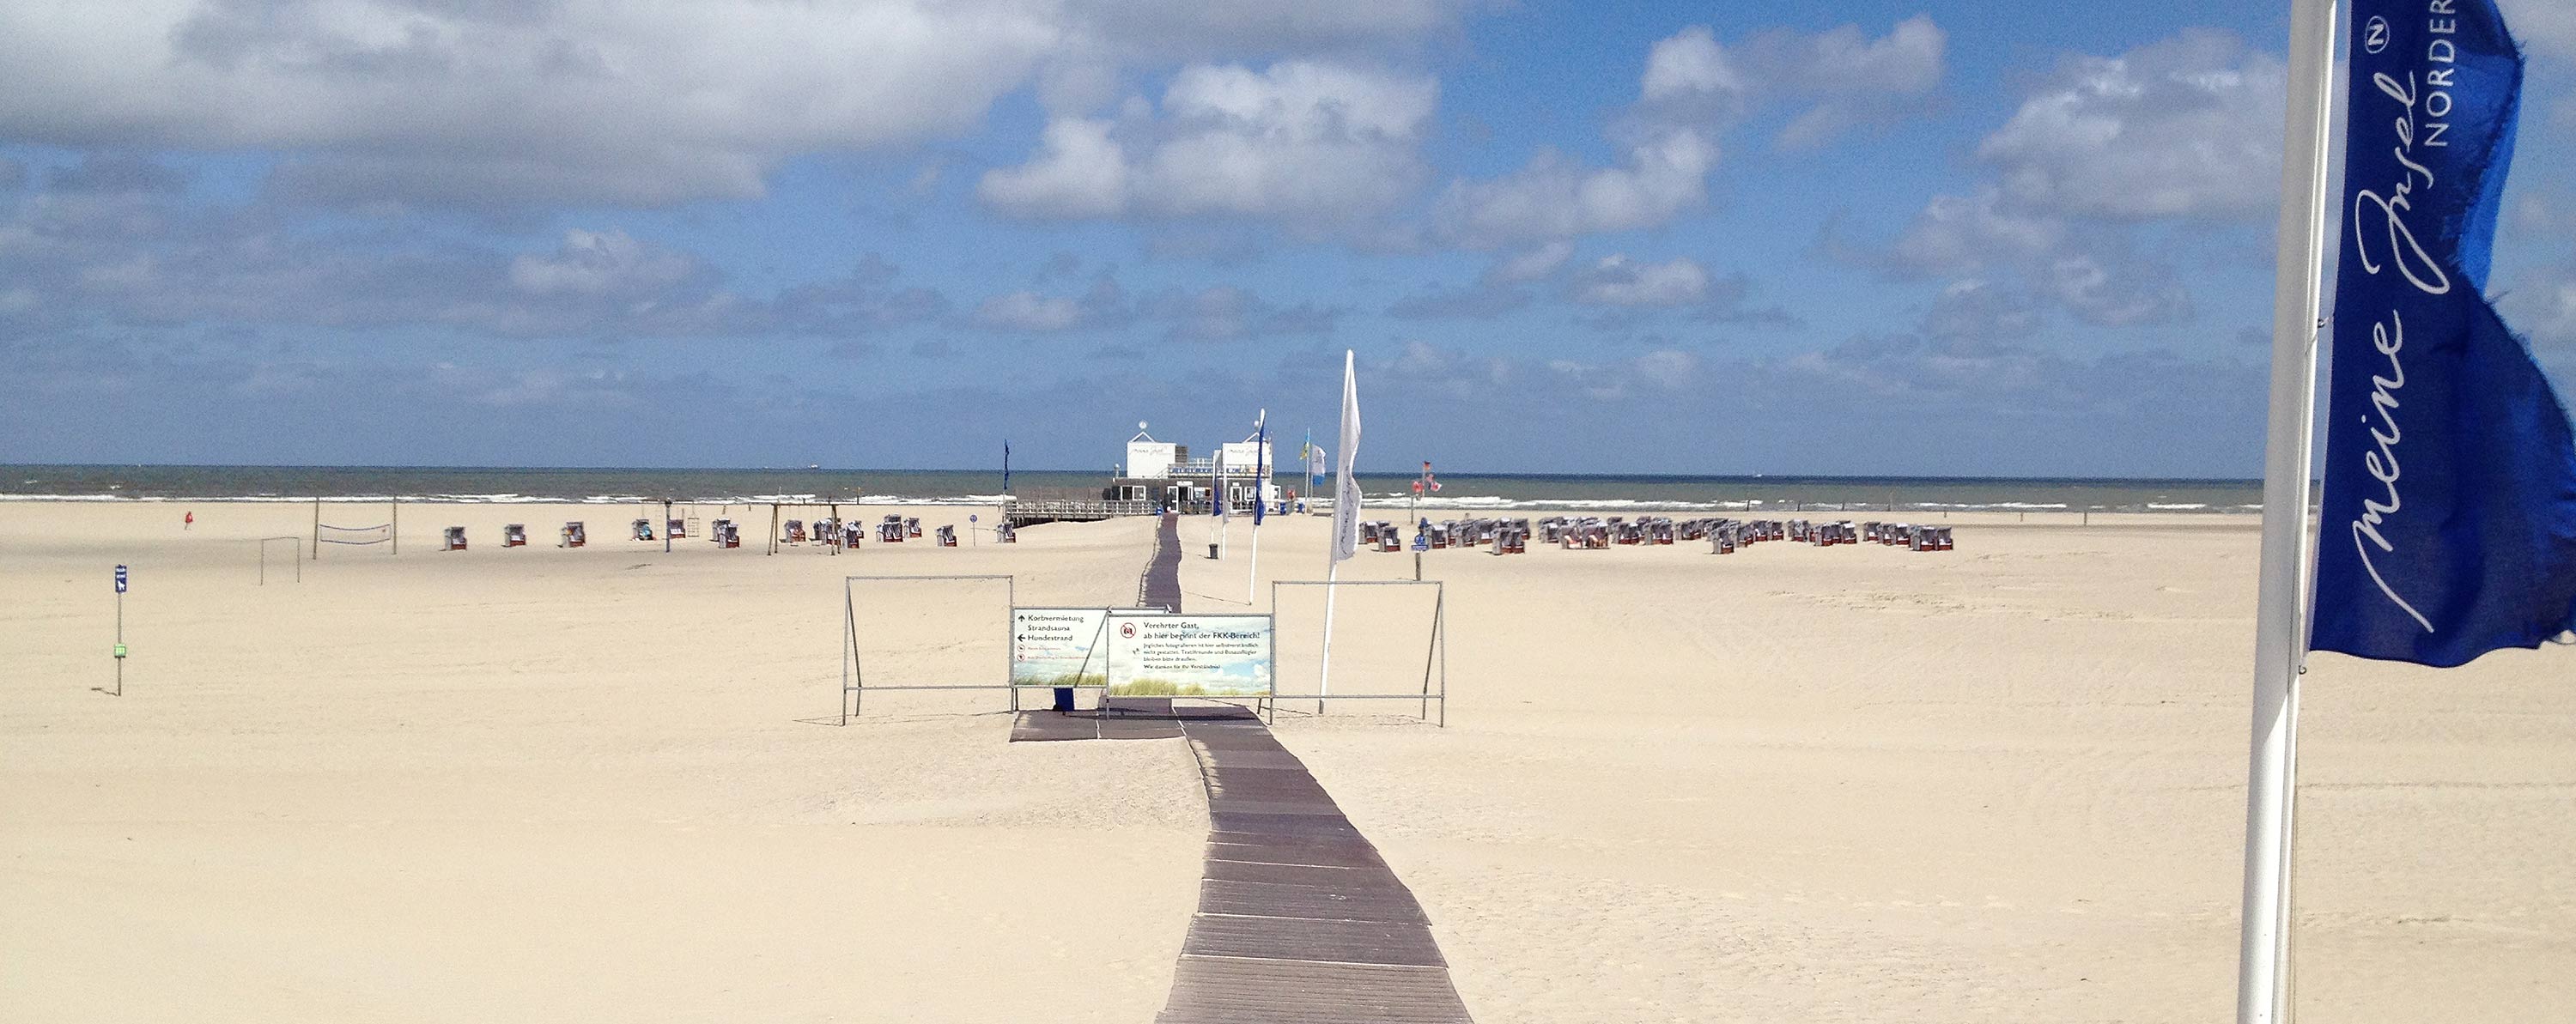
(120,650)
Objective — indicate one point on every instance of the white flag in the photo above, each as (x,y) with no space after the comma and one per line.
(1346,492)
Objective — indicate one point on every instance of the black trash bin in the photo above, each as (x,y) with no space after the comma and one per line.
(1064,698)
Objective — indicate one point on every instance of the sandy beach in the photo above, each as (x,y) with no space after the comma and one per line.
(1857,783)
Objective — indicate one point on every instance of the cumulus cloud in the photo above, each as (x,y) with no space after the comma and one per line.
(1104,305)
(600,263)
(1553,197)
(1841,77)
(2186,127)
(1693,90)
(1226,313)
(1299,141)
(1619,281)
(615,101)
(2183,129)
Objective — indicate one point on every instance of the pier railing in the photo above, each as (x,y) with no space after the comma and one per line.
(1020,513)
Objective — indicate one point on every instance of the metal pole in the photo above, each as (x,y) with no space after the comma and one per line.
(2280,616)
(396,527)
(773,527)
(1324,682)
(120,642)
(666,534)
(317,528)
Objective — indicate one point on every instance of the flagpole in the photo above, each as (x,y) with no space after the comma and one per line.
(2280,616)
(1261,469)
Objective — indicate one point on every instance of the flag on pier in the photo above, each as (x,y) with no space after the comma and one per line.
(1260,465)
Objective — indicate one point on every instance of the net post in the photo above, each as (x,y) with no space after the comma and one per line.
(1431,649)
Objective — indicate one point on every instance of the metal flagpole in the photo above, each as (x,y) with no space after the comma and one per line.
(1260,500)
(1346,513)
(2281,611)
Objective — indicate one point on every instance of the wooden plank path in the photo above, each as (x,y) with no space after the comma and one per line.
(1161,587)
(1299,920)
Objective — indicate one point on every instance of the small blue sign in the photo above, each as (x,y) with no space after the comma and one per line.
(120,579)
(973,518)
(1421,543)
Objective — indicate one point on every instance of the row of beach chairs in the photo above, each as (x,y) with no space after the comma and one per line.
(728,534)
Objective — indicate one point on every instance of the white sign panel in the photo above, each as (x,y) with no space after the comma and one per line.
(1058,647)
(1152,654)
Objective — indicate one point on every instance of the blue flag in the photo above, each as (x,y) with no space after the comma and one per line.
(1006,467)
(1260,465)
(2449,518)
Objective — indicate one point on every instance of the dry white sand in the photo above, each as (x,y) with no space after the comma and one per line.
(2004,783)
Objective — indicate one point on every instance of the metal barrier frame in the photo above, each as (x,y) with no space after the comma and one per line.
(854,673)
(1435,657)
(298,560)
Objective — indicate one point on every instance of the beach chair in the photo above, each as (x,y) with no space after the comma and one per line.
(852,534)
(514,535)
(727,534)
(643,529)
(1944,540)
(1004,534)
(912,526)
(677,529)
(573,536)
(948,536)
(452,539)
(795,532)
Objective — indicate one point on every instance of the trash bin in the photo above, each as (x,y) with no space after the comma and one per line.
(1211,551)
(1064,698)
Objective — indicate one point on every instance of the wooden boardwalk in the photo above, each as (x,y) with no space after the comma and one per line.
(1161,585)
(1299,919)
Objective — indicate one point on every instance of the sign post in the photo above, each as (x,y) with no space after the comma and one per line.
(120,633)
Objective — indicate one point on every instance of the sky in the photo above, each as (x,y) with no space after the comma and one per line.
(1988,239)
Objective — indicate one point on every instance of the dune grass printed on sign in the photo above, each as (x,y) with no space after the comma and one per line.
(1053,647)
(1159,655)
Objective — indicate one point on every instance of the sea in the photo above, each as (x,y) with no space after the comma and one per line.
(1472,492)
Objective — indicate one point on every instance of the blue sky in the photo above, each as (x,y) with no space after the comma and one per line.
(1978,239)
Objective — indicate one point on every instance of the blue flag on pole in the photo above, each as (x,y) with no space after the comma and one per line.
(1006,466)
(2449,516)
(1260,465)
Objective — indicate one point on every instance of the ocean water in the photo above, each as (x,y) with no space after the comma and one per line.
(1460,492)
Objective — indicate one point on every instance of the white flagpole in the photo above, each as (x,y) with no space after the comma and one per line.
(1346,513)
(1261,469)
(2281,610)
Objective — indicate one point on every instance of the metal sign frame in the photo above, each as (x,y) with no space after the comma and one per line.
(1435,656)
(854,684)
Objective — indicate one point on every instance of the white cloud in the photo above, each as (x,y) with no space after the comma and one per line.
(1300,142)
(1028,311)
(2187,127)
(1079,172)
(617,101)
(599,263)
(1619,281)
(1694,89)
(1530,264)
(1551,198)
(1842,76)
